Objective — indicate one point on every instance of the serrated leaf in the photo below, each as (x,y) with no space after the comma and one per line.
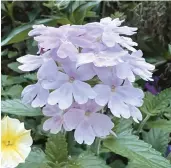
(36,159)
(162,124)
(154,105)
(158,138)
(89,160)
(14,91)
(11,80)
(122,125)
(130,146)
(56,149)
(16,107)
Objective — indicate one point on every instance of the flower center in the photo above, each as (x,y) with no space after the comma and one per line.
(113,88)
(8,143)
(87,113)
(71,79)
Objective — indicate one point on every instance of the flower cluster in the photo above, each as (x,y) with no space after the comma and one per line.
(68,58)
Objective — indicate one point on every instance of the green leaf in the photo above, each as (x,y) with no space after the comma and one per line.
(14,91)
(56,149)
(154,105)
(32,76)
(11,80)
(122,125)
(21,33)
(14,67)
(82,10)
(89,160)
(12,54)
(130,146)
(36,159)
(4,52)
(162,124)
(158,138)
(16,107)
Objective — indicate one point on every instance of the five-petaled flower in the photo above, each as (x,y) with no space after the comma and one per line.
(15,142)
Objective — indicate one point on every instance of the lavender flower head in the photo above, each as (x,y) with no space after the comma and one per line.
(72,55)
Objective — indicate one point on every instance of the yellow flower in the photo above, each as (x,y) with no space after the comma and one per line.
(15,142)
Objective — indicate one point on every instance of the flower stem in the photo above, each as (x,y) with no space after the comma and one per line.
(143,123)
(97,146)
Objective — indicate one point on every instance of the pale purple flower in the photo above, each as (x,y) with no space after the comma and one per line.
(71,85)
(35,95)
(113,34)
(133,65)
(33,62)
(103,58)
(87,123)
(120,95)
(55,122)
(62,39)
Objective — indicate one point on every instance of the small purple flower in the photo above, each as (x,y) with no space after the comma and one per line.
(104,58)
(133,65)
(71,85)
(33,62)
(122,98)
(168,150)
(55,122)
(152,86)
(87,123)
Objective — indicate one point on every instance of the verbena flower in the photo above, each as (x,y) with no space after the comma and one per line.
(134,65)
(87,123)
(122,98)
(110,33)
(55,121)
(102,58)
(15,142)
(72,85)
(33,62)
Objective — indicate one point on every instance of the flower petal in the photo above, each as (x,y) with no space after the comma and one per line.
(118,107)
(50,110)
(82,92)
(124,71)
(73,117)
(103,94)
(63,96)
(101,124)
(84,133)
(53,124)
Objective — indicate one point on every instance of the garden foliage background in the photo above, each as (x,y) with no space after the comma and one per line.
(144,145)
